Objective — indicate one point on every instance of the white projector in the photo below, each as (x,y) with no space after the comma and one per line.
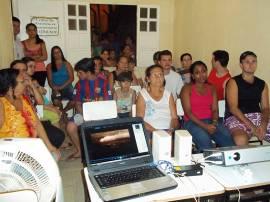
(229,156)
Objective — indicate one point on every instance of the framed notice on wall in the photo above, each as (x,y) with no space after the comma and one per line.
(47,26)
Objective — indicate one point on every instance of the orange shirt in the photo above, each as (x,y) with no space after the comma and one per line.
(18,123)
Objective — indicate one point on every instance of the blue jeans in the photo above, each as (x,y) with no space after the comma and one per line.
(203,140)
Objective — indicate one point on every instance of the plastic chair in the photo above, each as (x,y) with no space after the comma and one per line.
(26,163)
(180,111)
(133,110)
(99,110)
(221,108)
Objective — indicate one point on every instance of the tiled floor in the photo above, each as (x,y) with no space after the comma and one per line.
(71,177)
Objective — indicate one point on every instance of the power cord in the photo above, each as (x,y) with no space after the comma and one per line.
(189,187)
(203,159)
(166,166)
(235,187)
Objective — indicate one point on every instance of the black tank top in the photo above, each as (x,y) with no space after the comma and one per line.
(249,95)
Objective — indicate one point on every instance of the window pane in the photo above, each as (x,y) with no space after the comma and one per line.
(71,10)
(153,13)
(143,13)
(82,24)
(82,10)
(143,26)
(72,24)
(153,26)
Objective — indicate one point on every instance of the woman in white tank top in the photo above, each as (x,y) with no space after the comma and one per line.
(155,104)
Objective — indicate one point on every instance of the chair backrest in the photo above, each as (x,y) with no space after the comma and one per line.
(19,196)
(99,110)
(179,108)
(221,108)
(133,110)
(136,88)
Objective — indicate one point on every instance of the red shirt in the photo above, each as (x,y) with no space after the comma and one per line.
(218,82)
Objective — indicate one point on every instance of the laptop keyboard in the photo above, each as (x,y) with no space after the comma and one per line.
(127,176)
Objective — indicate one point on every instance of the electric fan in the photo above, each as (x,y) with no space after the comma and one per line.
(26,163)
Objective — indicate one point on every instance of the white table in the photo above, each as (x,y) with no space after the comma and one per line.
(188,187)
(241,176)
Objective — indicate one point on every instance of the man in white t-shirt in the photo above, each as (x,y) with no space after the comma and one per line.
(18,48)
(173,80)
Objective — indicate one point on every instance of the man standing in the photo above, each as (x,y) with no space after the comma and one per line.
(173,80)
(219,74)
(18,48)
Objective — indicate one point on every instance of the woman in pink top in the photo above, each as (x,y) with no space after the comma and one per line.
(199,100)
(34,47)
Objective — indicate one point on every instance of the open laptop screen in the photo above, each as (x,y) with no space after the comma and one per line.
(110,142)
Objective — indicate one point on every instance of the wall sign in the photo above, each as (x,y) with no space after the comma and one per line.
(47,26)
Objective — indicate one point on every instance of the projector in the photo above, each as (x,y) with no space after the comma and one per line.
(229,156)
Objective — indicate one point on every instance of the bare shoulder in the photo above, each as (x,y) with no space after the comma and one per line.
(68,64)
(187,88)
(231,83)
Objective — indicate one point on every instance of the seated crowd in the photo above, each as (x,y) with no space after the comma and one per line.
(22,91)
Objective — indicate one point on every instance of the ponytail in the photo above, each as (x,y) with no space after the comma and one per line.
(38,40)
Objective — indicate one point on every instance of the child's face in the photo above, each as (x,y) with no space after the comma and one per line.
(31,68)
(123,64)
(131,66)
(98,65)
(125,85)
(82,75)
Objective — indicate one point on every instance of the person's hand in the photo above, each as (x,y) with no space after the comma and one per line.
(260,131)
(210,128)
(56,88)
(170,131)
(28,80)
(58,111)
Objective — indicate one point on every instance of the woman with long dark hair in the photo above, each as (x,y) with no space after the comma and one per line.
(60,77)
(35,48)
(17,116)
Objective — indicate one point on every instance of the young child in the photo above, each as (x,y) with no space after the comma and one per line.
(131,67)
(124,96)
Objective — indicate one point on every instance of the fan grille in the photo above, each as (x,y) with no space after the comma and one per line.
(22,171)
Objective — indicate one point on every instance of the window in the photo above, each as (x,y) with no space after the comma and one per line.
(148,19)
(77,17)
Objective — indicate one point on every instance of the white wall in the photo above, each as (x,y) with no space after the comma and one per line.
(26,9)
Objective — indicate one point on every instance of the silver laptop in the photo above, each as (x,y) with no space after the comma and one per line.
(119,162)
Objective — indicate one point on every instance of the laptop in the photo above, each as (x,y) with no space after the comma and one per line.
(118,159)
